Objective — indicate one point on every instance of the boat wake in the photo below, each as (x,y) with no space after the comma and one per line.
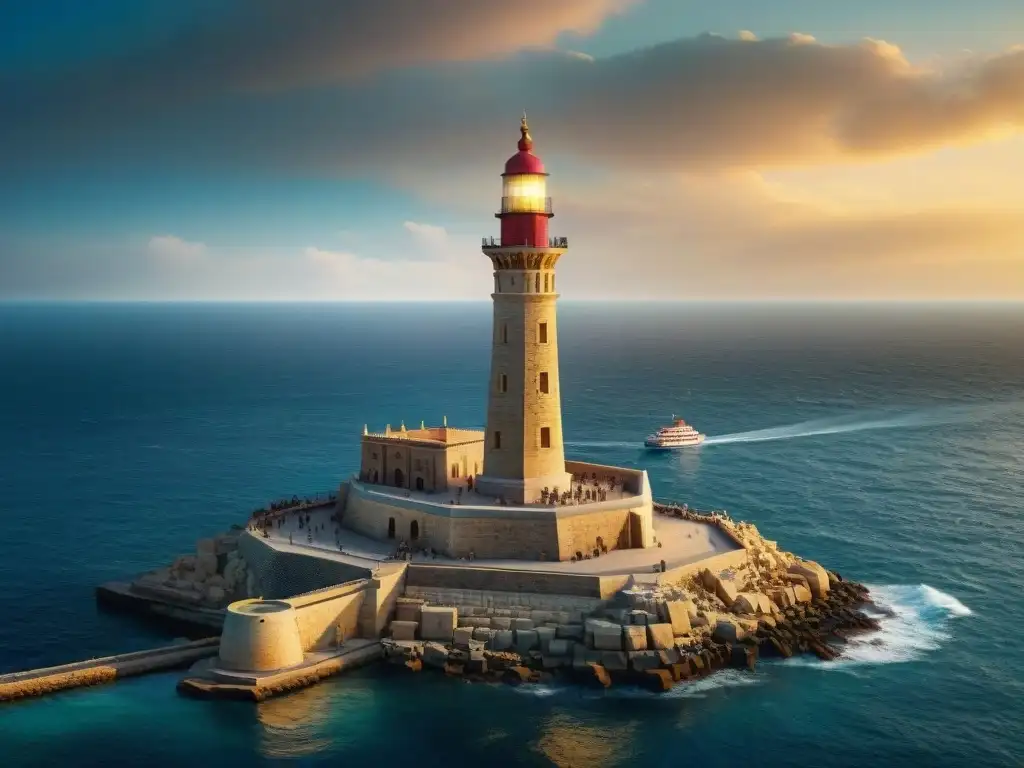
(602,444)
(914,619)
(857,423)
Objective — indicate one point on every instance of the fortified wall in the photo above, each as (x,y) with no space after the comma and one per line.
(487,531)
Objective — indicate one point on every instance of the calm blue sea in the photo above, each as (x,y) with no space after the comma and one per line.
(885,441)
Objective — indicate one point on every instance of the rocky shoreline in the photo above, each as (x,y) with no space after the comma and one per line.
(657,659)
(771,605)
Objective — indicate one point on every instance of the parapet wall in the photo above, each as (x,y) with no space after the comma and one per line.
(716,563)
(634,480)
(328,617)
(503,533)
(282,574)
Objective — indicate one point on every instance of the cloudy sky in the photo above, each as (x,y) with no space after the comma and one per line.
(346,149)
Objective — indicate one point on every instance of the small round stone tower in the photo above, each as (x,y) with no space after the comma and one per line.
(524,453)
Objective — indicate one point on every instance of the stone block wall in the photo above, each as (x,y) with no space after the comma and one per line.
(505,538)
(469,580)
(498,600)
(283,574)
(584,533)
(329,616)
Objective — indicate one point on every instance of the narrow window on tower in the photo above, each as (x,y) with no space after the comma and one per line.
(542,333)
(502,383)
(504,334)
(545,284)
(536,283)
(545,437)
(497,439)
(544,382)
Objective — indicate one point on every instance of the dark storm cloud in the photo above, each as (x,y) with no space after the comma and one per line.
(705,102)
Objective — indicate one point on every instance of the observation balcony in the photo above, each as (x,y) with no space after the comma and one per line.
(553,242)
(539,205)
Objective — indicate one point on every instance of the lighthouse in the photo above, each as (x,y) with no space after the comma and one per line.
(523,452)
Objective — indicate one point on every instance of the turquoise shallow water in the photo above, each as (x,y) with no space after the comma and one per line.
(887,442)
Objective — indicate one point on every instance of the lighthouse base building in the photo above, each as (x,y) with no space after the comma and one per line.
(507,492)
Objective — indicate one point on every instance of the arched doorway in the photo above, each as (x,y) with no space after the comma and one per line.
(455,471)
(376,477)
(419,483)
(399,478)
(414,530)
(391,527)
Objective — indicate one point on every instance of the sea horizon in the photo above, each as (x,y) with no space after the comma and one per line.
(885,445)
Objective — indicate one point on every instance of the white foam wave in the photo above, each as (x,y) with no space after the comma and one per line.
(930,417)
(914,619)
(695,689)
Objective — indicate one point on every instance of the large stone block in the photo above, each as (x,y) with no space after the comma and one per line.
(570,631)
(615,661)
(608,638)
(206,564)
(403,630)
(435,655)
(462,636)
(660,637)
(640,618)
(502,640)
(801,594)
(522,623)
(728,631)
(545,635)
(635,638)
(725,588)
(407,612)
(501,622)
(644,660)
(559,648)
(438,622)
(526,640)
(816,576)
(678,617)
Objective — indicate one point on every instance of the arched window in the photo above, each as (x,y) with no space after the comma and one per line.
(399,478)
(536,283)
(414,530)
(419,483)
(391,527)
(455,470)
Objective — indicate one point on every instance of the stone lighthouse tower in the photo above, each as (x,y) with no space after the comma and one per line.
(523,452)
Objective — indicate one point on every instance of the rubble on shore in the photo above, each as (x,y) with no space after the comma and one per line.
(775,605)
(214,576)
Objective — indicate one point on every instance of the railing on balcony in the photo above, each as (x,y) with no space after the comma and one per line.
(526,205)
(553,242)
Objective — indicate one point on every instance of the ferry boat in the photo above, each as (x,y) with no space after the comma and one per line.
(678,435)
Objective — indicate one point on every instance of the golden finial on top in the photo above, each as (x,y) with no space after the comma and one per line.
(526,140)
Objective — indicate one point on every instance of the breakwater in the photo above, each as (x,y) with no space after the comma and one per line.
(37,682)
(637,647)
